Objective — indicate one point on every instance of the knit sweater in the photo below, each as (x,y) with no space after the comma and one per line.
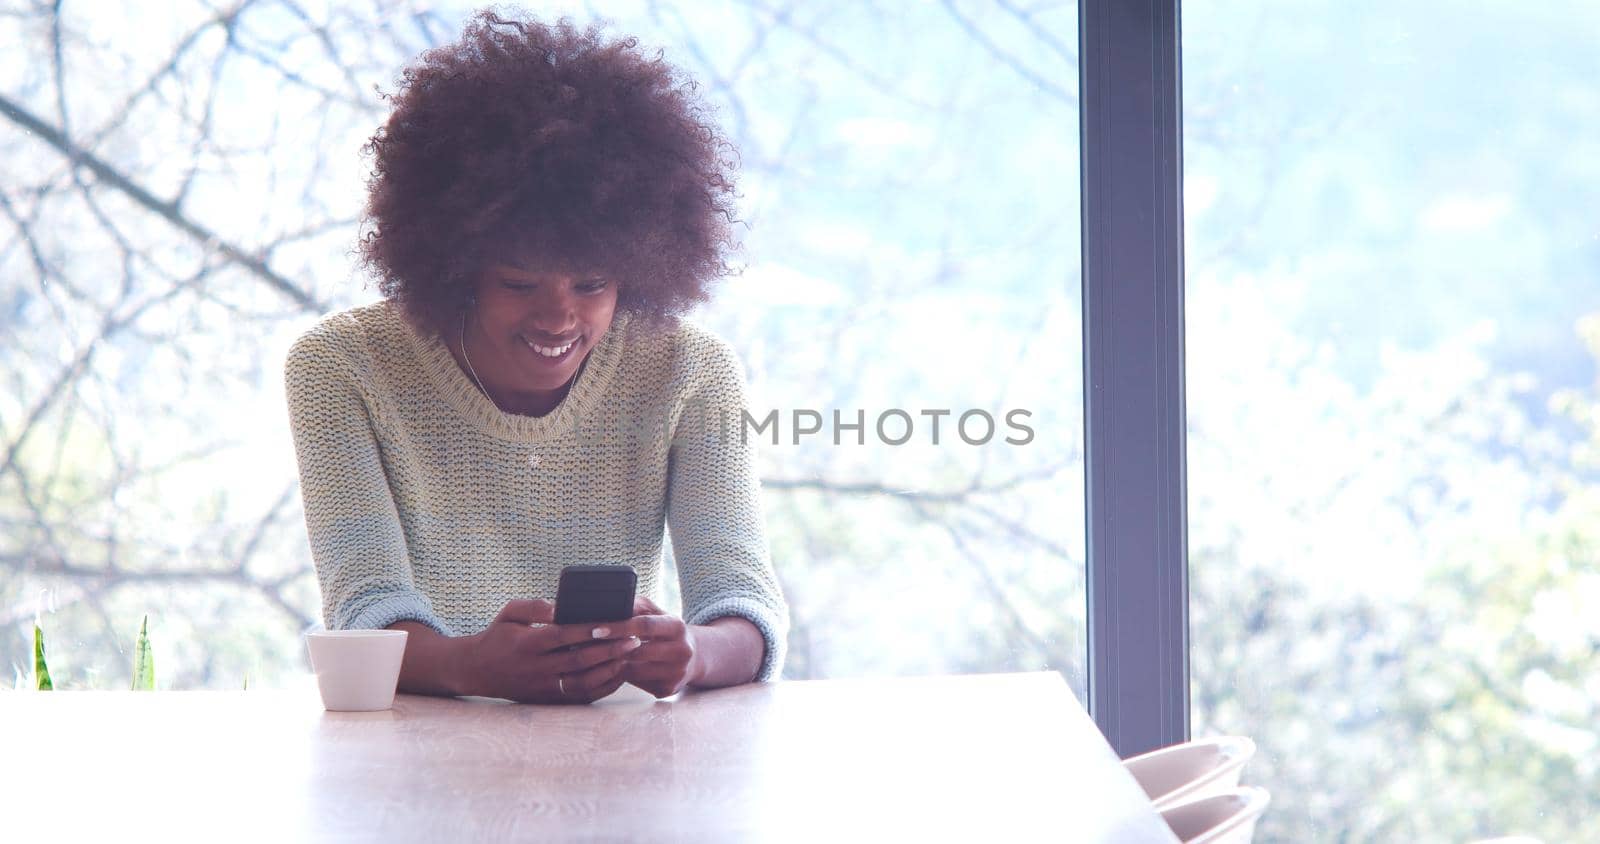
(424,501)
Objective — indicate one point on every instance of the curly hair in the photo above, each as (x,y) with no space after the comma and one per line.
(551,147)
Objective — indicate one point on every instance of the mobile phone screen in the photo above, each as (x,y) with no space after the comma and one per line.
(588,594)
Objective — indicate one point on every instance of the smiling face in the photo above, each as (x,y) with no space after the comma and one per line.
(530,331)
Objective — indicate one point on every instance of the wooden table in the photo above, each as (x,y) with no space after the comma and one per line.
(984,758)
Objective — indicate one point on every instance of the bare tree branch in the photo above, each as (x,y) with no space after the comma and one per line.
(997,593)
(58,65)
(875,488)
(272,591)
(226,18)
(1067,53)
(782,17)
(25,119)
(242,562)
(1006,58)
(337,61)
(109,327)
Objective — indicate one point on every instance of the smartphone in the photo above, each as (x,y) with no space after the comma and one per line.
(587,594)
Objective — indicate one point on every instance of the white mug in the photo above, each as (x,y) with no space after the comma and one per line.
(357,670)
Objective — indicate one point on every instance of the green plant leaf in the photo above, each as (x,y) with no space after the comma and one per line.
(41,672)
(144,667)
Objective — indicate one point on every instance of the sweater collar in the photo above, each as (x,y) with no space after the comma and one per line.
(461,393)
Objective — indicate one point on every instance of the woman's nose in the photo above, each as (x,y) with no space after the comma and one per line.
(555,313)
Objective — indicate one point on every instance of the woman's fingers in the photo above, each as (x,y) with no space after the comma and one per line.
(652,627)
(544,612)
(672,652)
(660,668)
(527,612)
(607,687)
(593,683)
(585,656)
(645,606)
(659,679)
(582,663)
(559,636)
(549,662)
(594,676)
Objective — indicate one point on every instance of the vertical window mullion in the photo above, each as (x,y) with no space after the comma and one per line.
(1132,171)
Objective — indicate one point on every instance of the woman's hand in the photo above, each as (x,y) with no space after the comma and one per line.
(667,661)
(511,659)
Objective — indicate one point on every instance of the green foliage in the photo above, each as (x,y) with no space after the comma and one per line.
(1456,706)
(41,671)
(144,672)
(144,667)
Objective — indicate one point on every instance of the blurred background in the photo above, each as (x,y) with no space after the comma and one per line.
(1393,271)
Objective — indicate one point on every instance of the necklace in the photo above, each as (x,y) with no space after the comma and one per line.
(533,456)
(468,358)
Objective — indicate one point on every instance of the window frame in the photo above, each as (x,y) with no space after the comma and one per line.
(1135,439)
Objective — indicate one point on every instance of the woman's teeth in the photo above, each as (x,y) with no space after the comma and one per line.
(551,351)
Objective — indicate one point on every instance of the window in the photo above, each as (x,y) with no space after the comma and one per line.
(913,253)
(910,189)
(1392,273)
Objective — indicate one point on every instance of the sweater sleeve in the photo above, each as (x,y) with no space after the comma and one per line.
(714,510)
(357,543)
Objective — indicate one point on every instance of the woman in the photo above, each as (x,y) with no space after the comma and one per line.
(544,203)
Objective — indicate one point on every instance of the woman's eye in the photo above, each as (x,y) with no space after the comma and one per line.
(594,285)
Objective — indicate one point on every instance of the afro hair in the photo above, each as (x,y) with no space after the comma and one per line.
(553,148)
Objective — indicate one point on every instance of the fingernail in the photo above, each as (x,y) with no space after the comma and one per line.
(602,632)
(633,642)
